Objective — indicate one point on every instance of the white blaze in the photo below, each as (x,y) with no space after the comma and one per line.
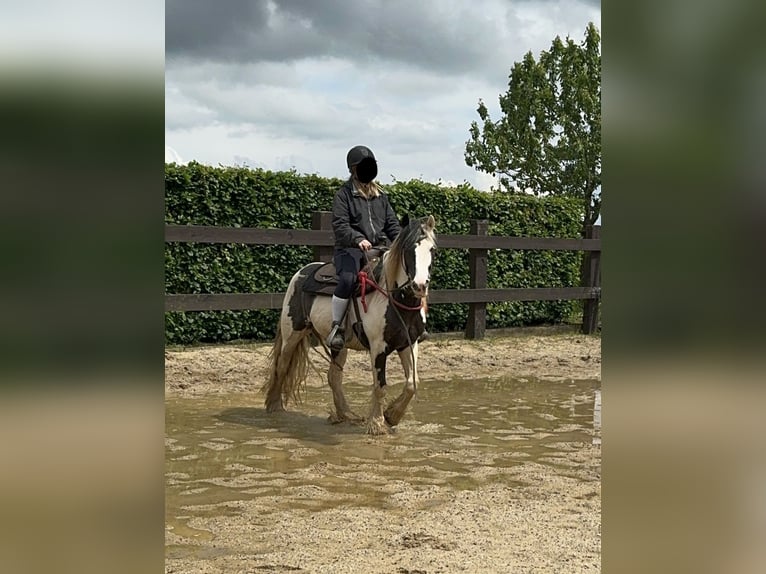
(422,262)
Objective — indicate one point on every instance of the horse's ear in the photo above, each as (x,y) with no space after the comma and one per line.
(429,223)
(405,220)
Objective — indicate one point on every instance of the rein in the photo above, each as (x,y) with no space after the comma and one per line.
(365,279)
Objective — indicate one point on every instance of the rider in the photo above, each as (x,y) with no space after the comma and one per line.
(362,218)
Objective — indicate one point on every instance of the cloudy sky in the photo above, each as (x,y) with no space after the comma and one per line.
(282,84)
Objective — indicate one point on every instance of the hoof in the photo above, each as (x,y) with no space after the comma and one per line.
(347,417)
(377,427)
(393,416)
(275,407)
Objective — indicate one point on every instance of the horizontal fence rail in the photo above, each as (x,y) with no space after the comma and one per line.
(251,301)
(259,236)
(477,296)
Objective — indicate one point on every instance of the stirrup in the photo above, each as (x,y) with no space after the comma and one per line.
(336,340)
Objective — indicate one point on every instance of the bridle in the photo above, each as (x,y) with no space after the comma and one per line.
(365,279)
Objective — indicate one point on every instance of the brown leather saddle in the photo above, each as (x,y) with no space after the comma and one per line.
(324,279)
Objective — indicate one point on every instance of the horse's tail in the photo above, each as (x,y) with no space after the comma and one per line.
(288,369)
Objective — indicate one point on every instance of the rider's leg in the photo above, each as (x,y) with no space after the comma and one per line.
(346,268)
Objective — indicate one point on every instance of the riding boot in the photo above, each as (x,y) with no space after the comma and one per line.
(337,338)
(425,335)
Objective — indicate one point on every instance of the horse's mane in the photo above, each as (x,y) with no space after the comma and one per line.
(407,239)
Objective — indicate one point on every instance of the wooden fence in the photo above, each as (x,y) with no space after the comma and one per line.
(477,243)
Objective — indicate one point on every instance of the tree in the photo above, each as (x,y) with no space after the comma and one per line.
(549,138)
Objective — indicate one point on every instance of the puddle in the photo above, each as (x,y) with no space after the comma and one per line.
(456,435)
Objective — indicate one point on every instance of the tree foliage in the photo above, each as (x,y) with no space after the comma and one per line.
(549,138)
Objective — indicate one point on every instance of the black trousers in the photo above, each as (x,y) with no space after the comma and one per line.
(348,262)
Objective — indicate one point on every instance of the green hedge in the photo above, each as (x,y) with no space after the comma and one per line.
(196,194)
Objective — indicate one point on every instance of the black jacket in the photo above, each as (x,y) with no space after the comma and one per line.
(355,218)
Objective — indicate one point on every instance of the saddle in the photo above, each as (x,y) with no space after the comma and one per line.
(324,280)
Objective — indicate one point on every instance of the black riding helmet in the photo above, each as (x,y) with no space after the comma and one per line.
(364,160)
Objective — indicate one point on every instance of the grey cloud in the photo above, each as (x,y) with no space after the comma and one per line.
(273,82)
(415,116)
(273,110)
(211,29)
(430,34)
(188,72)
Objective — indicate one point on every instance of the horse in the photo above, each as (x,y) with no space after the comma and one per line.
(393,297)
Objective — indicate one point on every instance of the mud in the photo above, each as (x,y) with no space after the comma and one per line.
(495,467)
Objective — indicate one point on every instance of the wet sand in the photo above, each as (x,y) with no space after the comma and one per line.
(495,467)
(546,353)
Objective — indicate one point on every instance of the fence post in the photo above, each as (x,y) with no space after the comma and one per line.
(322,220)
(477,268)
(591,278)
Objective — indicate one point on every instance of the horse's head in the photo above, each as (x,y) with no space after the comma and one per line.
(411,254)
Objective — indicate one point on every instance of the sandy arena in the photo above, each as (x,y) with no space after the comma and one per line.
(494,468)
